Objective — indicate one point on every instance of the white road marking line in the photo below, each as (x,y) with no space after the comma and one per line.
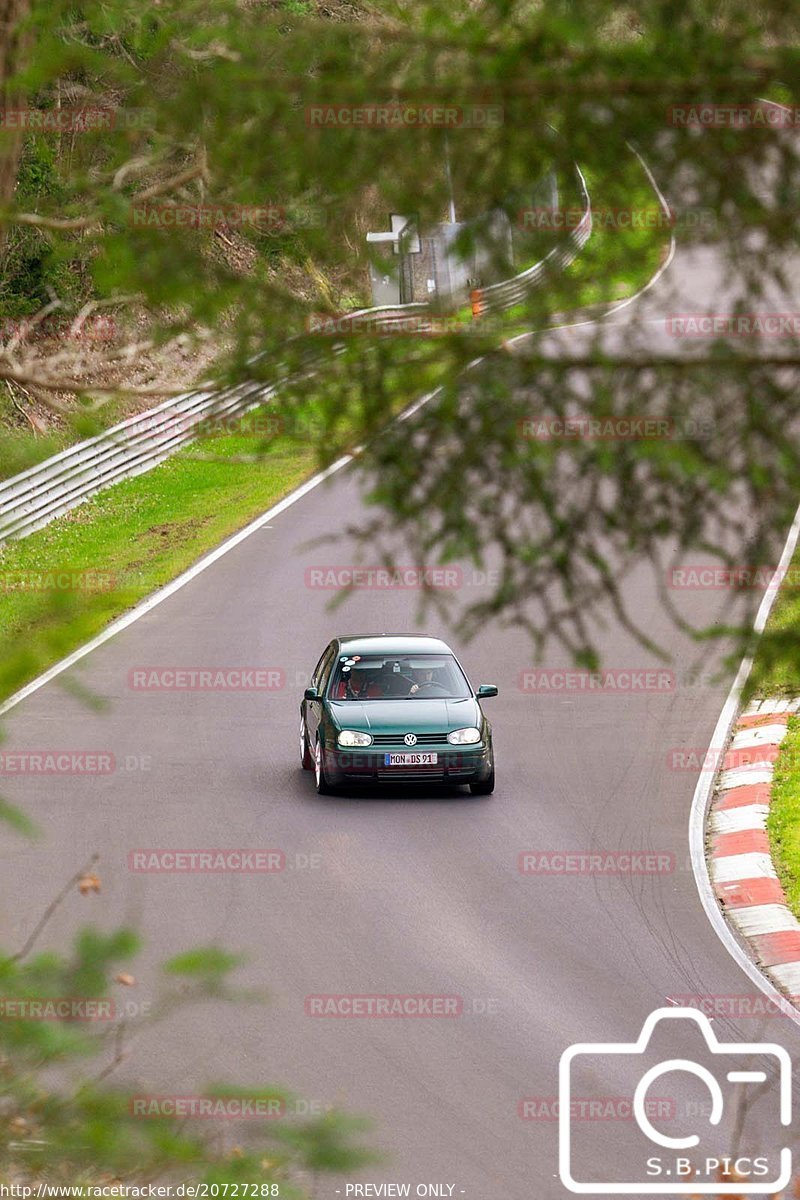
(652,281)
(700,799)
(702,794)
(169,589)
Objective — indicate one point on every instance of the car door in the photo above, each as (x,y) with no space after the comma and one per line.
(319,680)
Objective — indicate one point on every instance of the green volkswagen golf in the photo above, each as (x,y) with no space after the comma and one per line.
(395,710)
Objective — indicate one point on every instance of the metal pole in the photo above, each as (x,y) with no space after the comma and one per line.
(449,180)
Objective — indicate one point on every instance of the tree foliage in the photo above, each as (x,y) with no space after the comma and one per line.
(215,105)
(221,101)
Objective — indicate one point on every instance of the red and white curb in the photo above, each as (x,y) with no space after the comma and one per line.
(740,865)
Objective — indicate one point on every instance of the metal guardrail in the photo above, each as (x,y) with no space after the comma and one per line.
(35,497)
(507,293)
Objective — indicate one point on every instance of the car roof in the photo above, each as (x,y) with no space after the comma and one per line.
(385,643)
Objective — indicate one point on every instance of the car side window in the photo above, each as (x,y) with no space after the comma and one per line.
(318,669)
(328,659)
(322,671)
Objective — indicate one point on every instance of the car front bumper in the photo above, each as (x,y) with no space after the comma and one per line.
(455,764)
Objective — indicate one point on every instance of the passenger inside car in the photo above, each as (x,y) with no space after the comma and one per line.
(417,676)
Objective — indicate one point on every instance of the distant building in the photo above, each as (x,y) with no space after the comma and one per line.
(444,264)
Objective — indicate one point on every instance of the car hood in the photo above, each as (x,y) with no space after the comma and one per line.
(404,716)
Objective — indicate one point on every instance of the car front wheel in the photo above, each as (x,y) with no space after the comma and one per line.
(306,757)
(323,787)
(486,787)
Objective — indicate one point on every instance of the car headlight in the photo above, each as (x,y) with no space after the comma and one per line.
(354,737)
(464,737)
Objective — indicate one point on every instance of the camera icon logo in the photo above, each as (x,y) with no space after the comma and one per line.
(681,1165)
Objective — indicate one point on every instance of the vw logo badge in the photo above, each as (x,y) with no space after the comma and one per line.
(410,739)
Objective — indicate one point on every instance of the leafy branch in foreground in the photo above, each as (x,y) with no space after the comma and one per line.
(65,1029)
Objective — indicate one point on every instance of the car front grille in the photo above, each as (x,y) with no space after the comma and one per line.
(396,739)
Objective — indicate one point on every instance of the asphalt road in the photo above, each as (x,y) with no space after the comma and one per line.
(407,894)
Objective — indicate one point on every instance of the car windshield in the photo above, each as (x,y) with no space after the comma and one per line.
(398,677)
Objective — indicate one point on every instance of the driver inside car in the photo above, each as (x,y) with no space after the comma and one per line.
(424,680)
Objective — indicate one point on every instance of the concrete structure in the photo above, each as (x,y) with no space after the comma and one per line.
(431,268)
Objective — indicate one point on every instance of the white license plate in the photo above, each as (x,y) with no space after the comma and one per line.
(421,759)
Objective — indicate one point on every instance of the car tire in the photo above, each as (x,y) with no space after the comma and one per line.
(306,757)
(486,787)
(323,787)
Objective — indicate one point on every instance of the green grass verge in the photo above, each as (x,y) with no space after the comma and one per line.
(783,822)
(62,585)
(776,673)
(779,93)
(135,537)
(776,670)
(617,261)
(630,240)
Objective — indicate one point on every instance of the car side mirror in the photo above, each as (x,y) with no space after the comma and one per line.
(486,690)
(311,694)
